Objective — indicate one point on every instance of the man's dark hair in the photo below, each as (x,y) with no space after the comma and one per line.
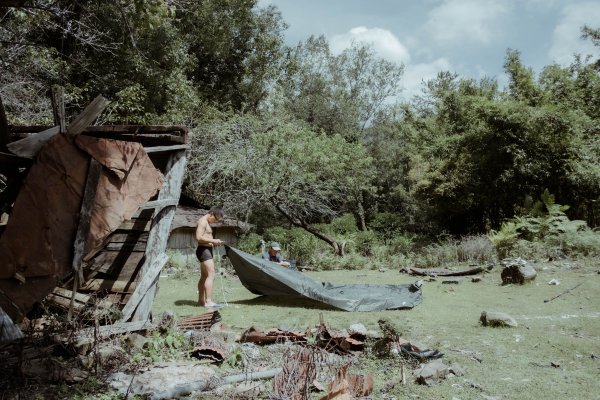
(217,212)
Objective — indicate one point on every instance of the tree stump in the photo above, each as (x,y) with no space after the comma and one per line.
(518,272)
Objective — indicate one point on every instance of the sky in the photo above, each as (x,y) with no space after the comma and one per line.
(469,37)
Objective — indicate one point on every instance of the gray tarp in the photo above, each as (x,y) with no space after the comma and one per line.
(263,277)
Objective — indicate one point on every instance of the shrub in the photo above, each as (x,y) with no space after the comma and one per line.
(476,249)
(343,225)
(387,226)
(401,244)
(250,243)
(548,232)
(363,243)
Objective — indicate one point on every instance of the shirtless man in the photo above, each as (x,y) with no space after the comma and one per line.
(204,252)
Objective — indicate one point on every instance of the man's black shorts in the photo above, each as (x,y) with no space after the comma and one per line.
(204,253)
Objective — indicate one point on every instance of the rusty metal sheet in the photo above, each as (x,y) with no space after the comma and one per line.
(36,247)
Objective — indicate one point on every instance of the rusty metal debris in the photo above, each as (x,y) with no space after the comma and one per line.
(201,322)
(254,335)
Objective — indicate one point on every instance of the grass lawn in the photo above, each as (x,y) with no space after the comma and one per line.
(501,363)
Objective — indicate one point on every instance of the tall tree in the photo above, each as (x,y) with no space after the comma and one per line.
(246,164)
(337,93)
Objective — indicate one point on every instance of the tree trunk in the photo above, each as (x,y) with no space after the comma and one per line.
(360,214)
(338,249)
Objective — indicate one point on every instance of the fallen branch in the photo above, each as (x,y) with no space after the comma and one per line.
(565,292)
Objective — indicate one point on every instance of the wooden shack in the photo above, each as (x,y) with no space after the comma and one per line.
(183,229)
(89,213)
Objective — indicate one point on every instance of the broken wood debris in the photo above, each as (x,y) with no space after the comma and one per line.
(255,335)
(433,272)
(565,292)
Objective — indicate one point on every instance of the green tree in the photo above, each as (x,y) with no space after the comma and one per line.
(340,94)
(246,163)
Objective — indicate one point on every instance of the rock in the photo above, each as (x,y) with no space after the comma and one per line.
(554,281)
(476,279)
(358,329)
(135,341)
(497,319)
(517,271)
(430,373)
(83,345)
(165,381)
(456,370)
(250,389)
(110,354)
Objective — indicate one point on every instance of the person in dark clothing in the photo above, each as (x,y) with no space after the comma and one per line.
(274,255)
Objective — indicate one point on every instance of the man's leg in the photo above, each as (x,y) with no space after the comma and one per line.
(205,285)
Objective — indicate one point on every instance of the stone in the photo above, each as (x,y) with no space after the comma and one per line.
(497,319)
(165,381)
(358,329)
(430,373)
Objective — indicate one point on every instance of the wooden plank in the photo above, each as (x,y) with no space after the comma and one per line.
(74,307)
(57,98)
(130,225)
(128,237)
(30,146)
(111,285)
(131,246)
(66,293)
(8,330)
(147,281)
(160,149)
(159,204)
(159,234)
(106,331)
(87,204)
(87,116)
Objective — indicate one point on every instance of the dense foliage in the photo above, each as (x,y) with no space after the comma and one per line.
(299,136)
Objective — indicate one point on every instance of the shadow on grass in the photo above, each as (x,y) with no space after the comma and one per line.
(186,303)
(285,301)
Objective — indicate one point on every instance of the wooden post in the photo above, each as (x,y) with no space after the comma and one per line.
(159,233)
(4,135)
(87,203)
(57,98)
(87,116)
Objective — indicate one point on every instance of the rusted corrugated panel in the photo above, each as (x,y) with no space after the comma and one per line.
(201,322)
(36,248)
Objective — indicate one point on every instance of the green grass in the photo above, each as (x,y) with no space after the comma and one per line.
(515,362)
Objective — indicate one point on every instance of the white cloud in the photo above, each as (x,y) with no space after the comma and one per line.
(567,34)
(416,74)
(385,44)
(456,21)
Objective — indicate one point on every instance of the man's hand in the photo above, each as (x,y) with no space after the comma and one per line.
(218,242)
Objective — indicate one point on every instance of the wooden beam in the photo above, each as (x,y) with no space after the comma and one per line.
(159,204)
(160,149)
(152,272)
(87,204)
(115,329)
(87,116)
(57,98)
(159,232)
(111,285)
(4,133)
(30,146)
